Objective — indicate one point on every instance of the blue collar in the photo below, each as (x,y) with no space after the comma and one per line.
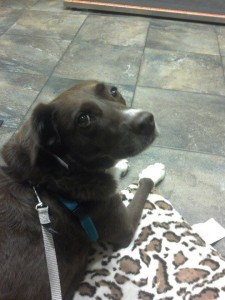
(85,221)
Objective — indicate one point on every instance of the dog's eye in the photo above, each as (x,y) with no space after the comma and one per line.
(84,120)
(114,91)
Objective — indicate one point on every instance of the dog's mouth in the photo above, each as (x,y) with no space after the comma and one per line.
(106,158)
(135,146)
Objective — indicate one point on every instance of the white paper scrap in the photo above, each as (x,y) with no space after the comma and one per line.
(210,231)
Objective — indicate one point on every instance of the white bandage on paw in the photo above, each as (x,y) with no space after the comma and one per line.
(154,172)
(119,170)
(122,166)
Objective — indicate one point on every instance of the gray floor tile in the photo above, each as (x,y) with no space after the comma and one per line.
(221,38)
(5,134)
(188,121)
(51,5)
(182,71)
(48,24)
(115,30)
(53,88)
(17,4)
(194,183)
(56,6)
(32,55)
(18,91)
(182,36)
(109,63)
(8,17)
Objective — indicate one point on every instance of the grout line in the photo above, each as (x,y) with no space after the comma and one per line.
(218,44)
(180,91)
(141,61)
(188,151)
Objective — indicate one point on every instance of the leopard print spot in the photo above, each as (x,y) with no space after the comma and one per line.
(115,290)
(212,264)
(197,239)
(129,265)
(161,277)
(190,275)
(208,293)
(149,205)
(171,236)
(179,259)
(182,225)
(109,258)
(161,225)
(141,282)
(143,236)
(182,291)
(144,257)
(86,289)
(164,205)
(154,245)
(100,272)
(145,296)
(192,249)
(120,279)
(218,275)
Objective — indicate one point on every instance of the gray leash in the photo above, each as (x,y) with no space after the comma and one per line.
(52,265)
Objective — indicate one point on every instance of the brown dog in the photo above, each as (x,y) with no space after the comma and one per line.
(67,149)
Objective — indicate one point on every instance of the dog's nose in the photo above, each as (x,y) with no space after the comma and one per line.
(144,123)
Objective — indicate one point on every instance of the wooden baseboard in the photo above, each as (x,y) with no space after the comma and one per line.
(177,13)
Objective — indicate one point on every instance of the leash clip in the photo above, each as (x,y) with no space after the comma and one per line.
(40,203)
(42,210)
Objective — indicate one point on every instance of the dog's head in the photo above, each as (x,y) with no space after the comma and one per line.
(90,125)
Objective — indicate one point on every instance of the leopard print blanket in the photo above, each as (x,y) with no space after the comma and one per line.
(166,260)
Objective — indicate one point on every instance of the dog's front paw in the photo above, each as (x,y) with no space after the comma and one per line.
(122,166)
(155,172)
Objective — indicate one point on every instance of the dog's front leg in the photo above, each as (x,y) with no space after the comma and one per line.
(148,178)
(122,221)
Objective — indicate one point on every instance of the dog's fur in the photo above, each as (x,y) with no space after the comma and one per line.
(90,129)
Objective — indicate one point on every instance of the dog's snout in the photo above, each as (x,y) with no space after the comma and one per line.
(145,123)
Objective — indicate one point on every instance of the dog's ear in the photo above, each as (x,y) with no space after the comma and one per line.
(45,130)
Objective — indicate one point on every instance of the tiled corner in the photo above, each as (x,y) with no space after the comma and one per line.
(109,63)
(8,17)
(18,91)
(115,30)
(188,121)
(33,55)
(182,71)
(48,24)
(182,36)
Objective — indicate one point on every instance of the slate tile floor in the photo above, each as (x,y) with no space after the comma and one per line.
(173,68)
